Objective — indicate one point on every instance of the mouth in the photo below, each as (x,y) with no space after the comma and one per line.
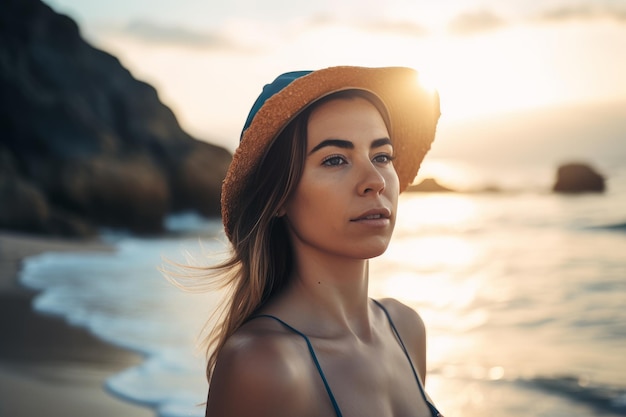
(371,217)
(376,214)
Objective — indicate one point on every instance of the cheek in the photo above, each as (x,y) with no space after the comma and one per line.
(307,202)
(308,219)
(392,183)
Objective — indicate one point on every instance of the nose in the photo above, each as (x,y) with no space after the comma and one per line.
(371,180)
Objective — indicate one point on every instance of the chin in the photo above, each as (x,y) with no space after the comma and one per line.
(371,251)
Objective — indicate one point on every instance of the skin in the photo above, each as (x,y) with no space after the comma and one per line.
(266,370)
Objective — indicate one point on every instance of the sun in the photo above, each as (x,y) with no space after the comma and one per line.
(488,73)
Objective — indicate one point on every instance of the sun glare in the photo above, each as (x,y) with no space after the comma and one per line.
(427,81)
(511,68)
(473,75)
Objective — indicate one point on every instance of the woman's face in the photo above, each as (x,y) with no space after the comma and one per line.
(345,203)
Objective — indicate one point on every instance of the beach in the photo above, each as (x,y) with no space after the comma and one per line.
(46,366)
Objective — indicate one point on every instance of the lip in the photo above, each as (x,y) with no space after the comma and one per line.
(377,216)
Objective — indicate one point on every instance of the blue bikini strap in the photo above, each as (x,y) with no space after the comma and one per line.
(313,355)
(433,409)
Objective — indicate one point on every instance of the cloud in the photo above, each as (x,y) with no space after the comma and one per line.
(470,22)
(250,36)
(585,12)
(474,22)
(246,36)
(381,26)
(394,27)
(151,32)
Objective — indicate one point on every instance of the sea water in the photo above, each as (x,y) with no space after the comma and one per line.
(523,295)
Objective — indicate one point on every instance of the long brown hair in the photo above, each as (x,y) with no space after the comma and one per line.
(261,258)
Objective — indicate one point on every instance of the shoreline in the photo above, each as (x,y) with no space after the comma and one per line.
(48,367)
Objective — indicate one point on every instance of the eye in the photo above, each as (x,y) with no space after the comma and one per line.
(334,160)
(383,158)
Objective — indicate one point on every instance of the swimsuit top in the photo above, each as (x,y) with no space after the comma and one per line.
(432,408)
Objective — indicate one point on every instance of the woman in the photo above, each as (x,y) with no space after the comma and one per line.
(310,196)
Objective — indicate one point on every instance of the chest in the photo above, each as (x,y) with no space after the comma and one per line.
(365,380)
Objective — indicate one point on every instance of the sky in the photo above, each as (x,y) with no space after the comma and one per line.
(488,59)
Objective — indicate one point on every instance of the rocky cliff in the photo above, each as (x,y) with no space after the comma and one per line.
(83,143)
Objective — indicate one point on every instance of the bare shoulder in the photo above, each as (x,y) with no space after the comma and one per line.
(412,331)
(407,320)
(260,363)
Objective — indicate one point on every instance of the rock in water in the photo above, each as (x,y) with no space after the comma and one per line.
(85,139)
(428,185)
(578,178)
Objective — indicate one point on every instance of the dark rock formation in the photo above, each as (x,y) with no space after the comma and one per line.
(82,142)
(578,178)
(429,185)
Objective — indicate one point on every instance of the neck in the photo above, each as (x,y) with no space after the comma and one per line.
(333,291)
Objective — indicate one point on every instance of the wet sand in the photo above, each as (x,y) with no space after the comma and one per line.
(46,366)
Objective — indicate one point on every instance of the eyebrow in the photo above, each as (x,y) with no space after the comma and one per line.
(346,144)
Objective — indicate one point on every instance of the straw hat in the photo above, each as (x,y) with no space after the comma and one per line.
(413,112)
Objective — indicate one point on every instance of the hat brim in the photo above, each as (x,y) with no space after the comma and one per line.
(413,113)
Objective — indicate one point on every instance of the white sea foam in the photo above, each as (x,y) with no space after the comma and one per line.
(122,298)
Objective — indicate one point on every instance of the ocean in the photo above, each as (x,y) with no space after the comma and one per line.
(523,293)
